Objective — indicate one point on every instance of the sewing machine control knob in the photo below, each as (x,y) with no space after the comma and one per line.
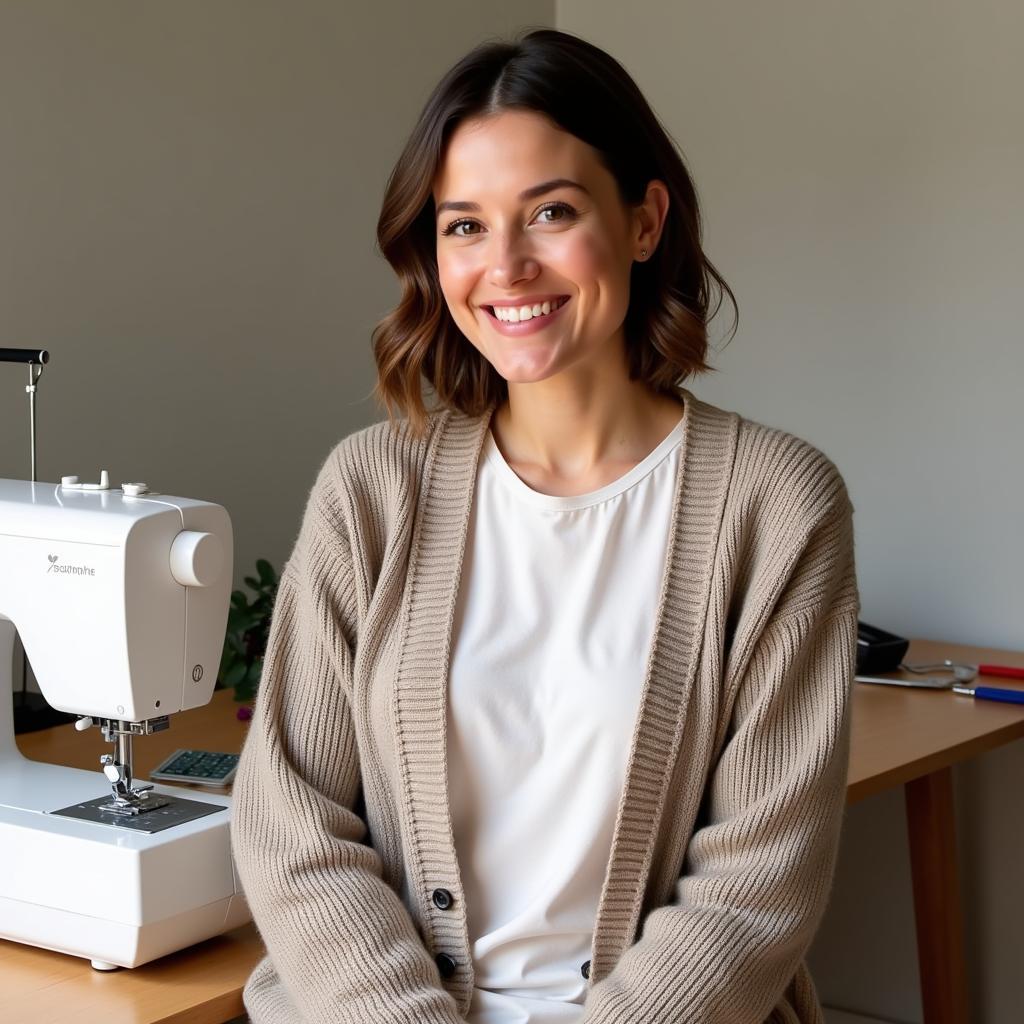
(83,723)
(197,559)
(134,490)
(72,484)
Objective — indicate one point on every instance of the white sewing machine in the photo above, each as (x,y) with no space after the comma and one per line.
(120,598)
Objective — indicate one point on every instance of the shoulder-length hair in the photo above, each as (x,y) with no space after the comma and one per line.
(587,93)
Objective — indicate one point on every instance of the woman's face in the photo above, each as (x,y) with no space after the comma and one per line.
(528,216)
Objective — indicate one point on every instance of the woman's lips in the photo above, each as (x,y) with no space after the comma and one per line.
(531,326)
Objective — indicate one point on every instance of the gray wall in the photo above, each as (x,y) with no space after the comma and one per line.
(860,167)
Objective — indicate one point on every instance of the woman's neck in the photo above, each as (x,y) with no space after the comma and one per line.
(574,447)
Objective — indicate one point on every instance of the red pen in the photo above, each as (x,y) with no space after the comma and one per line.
(1009,671)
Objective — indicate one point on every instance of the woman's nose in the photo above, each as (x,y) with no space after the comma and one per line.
(511,261)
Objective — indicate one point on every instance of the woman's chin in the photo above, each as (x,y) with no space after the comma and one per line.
(522,375)
(527,367)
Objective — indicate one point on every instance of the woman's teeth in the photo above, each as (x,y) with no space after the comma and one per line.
(516,314)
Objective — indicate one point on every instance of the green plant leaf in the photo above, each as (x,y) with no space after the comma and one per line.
(244,692)
(255,671)
(238,620)
(235,674)
(247,632)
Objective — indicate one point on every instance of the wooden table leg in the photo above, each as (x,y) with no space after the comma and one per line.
(937,909)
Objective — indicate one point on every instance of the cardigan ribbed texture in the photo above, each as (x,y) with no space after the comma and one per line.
(729,819)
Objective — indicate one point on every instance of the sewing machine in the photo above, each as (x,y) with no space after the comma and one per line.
(120,599)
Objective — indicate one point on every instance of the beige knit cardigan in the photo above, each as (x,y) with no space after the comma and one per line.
(728,823)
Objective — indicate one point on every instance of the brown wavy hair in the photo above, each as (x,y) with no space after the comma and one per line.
(589,94)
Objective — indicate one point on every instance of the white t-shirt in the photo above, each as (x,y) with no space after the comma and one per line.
(552,633)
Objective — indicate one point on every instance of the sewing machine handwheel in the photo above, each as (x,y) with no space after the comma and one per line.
(197,559)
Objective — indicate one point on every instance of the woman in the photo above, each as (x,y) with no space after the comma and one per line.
(553,724)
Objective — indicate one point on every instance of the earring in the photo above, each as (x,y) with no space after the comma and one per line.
(643,254)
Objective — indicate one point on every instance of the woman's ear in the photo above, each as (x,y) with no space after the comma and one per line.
(649,219)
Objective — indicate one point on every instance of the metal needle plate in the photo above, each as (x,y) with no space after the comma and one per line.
(177,812)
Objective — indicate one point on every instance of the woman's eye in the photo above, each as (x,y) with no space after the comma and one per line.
(561,212)
(564,209)
(451,229)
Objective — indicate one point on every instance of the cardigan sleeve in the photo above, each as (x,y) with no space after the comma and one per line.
(343,944)
(758,869)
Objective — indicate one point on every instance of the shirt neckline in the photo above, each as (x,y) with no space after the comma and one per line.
(557,502)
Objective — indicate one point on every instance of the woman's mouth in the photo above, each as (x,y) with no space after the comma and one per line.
(517,320)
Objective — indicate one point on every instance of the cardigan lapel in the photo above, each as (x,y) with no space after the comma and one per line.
(419,702)
(702,481)
(421,690)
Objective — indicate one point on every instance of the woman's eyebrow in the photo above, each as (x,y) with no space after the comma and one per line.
(530,193)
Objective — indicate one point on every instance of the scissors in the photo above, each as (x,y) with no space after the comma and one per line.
(961,674)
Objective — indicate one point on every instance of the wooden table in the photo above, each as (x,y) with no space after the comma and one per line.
(913,737)
(901,736)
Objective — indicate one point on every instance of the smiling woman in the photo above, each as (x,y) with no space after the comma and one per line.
(569,242)
(582,642)
(538,170)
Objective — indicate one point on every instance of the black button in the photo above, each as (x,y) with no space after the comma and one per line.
(585,970)
(442,898)
(445,964)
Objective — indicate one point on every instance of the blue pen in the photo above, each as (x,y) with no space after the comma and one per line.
(992,693)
